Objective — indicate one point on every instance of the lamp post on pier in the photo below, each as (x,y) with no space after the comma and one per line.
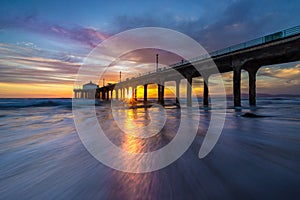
(156,62)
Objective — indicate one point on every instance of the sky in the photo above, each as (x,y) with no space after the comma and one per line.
(43,43)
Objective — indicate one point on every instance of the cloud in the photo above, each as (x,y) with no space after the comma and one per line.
(290,71)
(88,36)
(215,27)
(237,22)
(26,64)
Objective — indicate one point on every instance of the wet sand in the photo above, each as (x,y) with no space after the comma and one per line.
(42,157)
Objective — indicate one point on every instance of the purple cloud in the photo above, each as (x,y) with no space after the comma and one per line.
(88,36)
(238,22)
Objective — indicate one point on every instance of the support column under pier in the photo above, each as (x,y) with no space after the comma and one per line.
(252,85)
(189,91)
(133,91)
(117,94)
(205,92)
(162,96)
(135,94)
(177,92)
(145,93)
(237,86)
(158,93)
(97,94)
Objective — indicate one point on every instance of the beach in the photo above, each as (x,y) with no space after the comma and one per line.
(42,156)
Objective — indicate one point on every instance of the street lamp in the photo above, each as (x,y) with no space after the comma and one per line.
(156,62)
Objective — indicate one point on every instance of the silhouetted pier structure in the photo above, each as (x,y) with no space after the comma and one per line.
(277,48)
(87,91)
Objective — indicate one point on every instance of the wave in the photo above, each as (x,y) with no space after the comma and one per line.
(25,103)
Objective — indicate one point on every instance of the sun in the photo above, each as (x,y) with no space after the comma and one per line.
(129,96)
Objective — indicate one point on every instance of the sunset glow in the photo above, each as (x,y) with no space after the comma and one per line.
(41,49)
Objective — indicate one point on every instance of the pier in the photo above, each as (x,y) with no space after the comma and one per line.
(276,48)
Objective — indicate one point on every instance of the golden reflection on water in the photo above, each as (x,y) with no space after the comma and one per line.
(129,182)
(132,144)
(135,122)
(132,123)
(138,134)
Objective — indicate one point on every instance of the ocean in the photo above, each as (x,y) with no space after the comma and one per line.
(42,156)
